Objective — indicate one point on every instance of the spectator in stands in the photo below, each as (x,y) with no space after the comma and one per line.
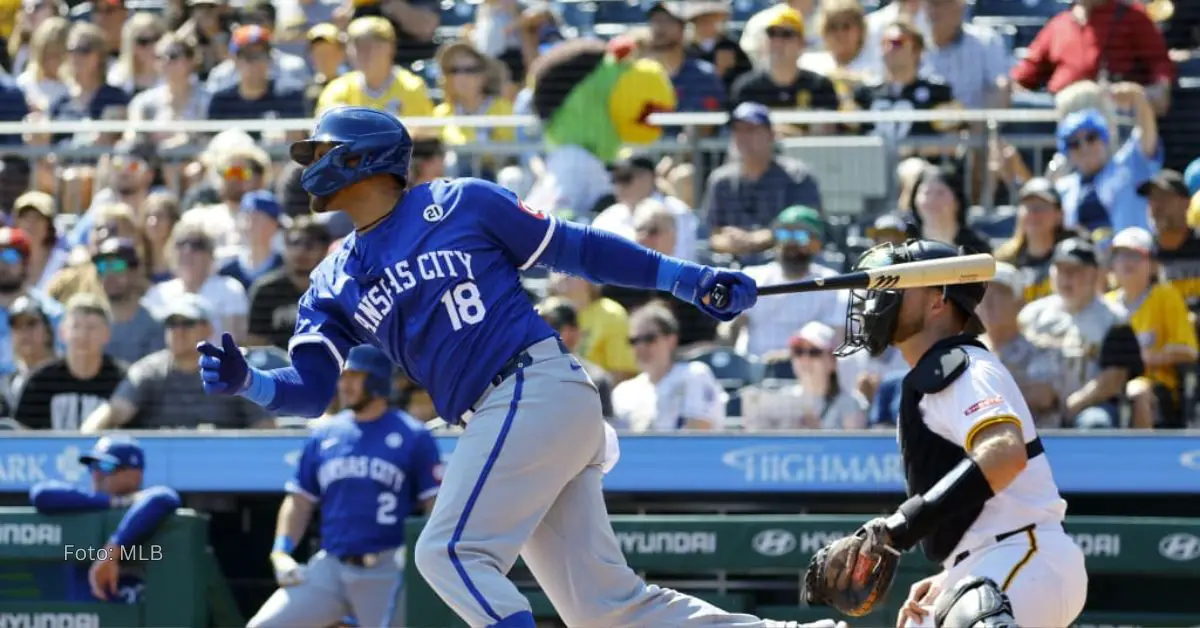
(754,34)
(562,316)
(376,82)
(496,33)
(177,95)
(998,310)
(635,179)
(604,322)
(234,173)
(888,228)
(135,332)
(34,212)
(743,197)
(207,33)
(668,395)
(163,389)
(1089,352)
(903,88)
(88,96)
(42,80)
(28,19)
(972,59)
(295,21)
(911,12)
(136,69)
(260,222)
(429,160)
(799,235)
(191,252)
(940,209)
(472,85)
(113,220)
(414,23)
(816,400)
(286,73)
(158,221)
(1159,318)
(129,178)
(61,394)
(273,297)
(1101,193)
(31,334)
(116,464)
(711,42)
(327,56)
(1177,245)
(1039,228)
(843,31)
(255,94)
(780,83)
(697,86)
(14,252)
(109,18)
(1109,41)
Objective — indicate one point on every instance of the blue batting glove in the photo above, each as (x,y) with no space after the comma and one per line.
(223,369)
(695,284)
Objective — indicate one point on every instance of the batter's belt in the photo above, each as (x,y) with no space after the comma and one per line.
(544,349)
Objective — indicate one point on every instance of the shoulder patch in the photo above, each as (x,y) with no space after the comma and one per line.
(935,373)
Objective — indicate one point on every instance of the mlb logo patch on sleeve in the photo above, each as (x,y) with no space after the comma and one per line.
(529,210)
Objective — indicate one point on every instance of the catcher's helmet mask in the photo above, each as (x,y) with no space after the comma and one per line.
(872,315)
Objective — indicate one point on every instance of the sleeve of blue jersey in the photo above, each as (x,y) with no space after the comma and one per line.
(607,258)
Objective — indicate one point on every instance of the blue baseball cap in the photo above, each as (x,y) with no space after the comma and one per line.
(115,452)
(1191,176)
(1085,120)
(262,201)
(752,112)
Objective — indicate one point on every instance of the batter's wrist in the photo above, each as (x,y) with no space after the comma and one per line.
(283,545)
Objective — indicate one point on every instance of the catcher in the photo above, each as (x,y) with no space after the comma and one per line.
(981,499)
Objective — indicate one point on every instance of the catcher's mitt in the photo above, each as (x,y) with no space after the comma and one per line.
(853,573)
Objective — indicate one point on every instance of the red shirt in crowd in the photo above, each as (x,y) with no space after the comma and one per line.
(1117,36)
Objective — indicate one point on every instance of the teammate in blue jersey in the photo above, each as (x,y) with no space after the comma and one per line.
(117,465)
(367,468)
(431,276)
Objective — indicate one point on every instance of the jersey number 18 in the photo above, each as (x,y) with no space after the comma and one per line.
(464,305)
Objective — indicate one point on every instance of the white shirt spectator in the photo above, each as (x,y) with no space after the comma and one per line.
(971,65)
(821,62)
(790,407)
(573,182)
(688,391)
(225,296)
(771,322)
(221,224)
(618,219)
(41,94)
(290,72)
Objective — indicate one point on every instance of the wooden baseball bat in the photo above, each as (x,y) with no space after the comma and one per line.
(979,267)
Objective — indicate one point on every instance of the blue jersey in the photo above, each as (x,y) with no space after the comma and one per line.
(435,286)
(368,477)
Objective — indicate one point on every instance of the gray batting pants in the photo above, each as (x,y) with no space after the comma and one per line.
(331,591)
(525,478)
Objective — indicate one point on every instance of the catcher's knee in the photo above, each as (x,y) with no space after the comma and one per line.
(974,602)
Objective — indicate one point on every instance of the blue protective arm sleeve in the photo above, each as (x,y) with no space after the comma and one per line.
(148,511)
(58,498)
(303,389)
(607,258)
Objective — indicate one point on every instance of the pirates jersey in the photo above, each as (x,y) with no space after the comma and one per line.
(1181,268)
(923,94)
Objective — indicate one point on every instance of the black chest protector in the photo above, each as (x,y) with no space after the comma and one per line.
(927,455)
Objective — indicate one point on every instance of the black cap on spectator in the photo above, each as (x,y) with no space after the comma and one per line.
(1167,181)
(673,9)
(27,306)
(558,313)
(634,162)
(427,146)
(15,178)
(1040,187)
(140,148)
(307,227)
(121,248)
(1075,251)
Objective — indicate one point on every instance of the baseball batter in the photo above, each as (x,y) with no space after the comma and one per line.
(431,277)
(367,469)
(982,500)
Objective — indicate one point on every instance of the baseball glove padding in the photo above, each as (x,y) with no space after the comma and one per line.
(854,573)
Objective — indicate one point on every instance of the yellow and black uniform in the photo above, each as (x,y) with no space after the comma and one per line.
(1160,320)
(1181,268)
(605,336)
(809,91)
(454,135)
(1036,273)
(923,94)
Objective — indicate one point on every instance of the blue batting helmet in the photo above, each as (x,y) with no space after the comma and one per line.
(366,142)
(378,368)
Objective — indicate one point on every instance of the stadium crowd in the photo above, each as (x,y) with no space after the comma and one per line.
(113,268)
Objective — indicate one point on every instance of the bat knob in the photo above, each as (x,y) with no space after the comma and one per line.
(719,297)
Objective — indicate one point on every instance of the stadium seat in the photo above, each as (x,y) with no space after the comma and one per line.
(778,369)
(732,370)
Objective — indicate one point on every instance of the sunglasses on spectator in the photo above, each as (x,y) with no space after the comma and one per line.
(781,33)
(623,178)
(173,54)
(464,70)
(799,236)
(147,40)
(807,352)
(895,41)
(130,164)
(103,466)
(1081,139)
(253,56)
(176,322)
(194,245)
(304,243)
(111,266)
(237,173)
(643,339)
(838,26)
(648,230)
(81,50)
(24,323)
(11,256)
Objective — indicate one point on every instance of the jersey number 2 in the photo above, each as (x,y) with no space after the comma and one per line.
(386,514)
(464,305)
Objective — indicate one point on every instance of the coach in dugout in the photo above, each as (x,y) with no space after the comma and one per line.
(117,464)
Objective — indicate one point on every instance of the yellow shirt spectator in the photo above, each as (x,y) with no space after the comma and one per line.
(405,95)
(1161,321)
(604,324)
(454,135)
(1193,215)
